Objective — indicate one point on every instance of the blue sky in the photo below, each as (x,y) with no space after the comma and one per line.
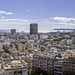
(49,14)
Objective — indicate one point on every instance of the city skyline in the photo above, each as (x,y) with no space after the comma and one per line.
(49,14)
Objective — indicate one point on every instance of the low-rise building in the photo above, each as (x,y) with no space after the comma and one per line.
(1,68)
(15,67)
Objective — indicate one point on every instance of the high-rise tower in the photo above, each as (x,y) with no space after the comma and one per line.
(13,31)
(33,28)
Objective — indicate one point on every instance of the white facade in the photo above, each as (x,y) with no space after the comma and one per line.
(43,36)
(69,42)
(33,37)
(1,46)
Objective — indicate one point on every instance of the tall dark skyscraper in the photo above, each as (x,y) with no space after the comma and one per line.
(13,31)
(33,28)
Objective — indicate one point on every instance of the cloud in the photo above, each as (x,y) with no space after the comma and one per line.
(19,24)
(6,13)
(64,19)
(3,17)
(45,25)
(9,13)
(13,20)
(50,18)
(27,10)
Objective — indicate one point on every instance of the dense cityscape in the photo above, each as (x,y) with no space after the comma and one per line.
(37,37)
(36,53)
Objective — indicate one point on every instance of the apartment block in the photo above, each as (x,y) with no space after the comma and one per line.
(15,67)
(42,62)
(68,66)
(58,64)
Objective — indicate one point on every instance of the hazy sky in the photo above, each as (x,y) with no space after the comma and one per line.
(49,14)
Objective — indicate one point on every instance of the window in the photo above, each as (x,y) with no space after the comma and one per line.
(24,70)
(10,72)
(73,69)
(69,68)
(72,66)
(63,65)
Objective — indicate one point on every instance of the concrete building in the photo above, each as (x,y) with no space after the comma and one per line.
(1,68)
(68,66)
(21,47)
(43,36)
(16,67)
(1,45)
(33,28)
(1,52)
(42,62)
(33,37)
(58,64)
(6,57)
(13,31)
(69,42)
